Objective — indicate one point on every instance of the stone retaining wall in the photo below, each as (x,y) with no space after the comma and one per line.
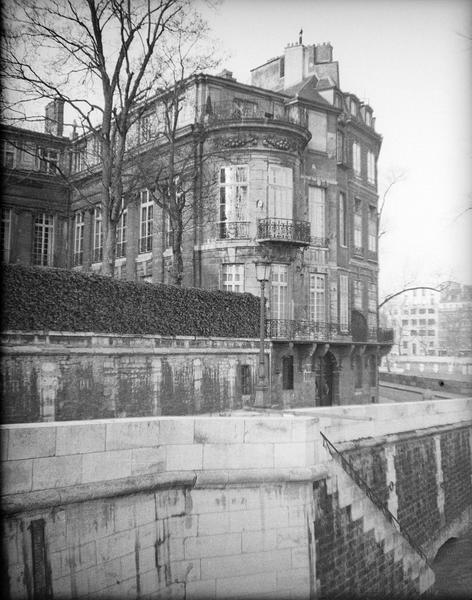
(67,376)
(218,507)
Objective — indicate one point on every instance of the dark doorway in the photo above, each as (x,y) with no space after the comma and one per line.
(325,369)
(287,373)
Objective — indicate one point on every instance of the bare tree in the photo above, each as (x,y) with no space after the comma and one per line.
(394,177)
(176,172)
(100,58)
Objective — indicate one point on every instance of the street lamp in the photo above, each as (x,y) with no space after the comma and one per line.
(262,276)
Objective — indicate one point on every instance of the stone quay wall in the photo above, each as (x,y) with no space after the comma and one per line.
(219,507)
(75,376)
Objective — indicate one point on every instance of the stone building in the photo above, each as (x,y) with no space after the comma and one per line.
(284,167)
(429,322)
(414,317)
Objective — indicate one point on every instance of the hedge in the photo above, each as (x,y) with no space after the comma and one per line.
(47,299)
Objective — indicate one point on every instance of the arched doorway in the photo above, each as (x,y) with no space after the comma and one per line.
(326,373)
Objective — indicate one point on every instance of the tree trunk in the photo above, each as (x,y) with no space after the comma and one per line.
(109,246)
(178,263)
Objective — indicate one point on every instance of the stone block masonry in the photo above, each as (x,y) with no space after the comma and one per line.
(87,376)
(224,507)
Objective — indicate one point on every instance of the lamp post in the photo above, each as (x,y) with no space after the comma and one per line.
(262,275)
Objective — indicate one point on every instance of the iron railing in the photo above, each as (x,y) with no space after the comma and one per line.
(385,335)
(231,111)
(369,492)
(283,230)
(233,230)
(321,242)
(294,329)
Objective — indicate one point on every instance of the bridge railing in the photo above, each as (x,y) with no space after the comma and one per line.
(369,492)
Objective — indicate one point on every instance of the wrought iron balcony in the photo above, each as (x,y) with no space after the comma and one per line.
(283,230)
(293,329)
(385,335)
(233,230)
(320,242)
(229,111)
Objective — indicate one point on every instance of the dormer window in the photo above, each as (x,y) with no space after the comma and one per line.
(368,118)
(354,108)
(338,101)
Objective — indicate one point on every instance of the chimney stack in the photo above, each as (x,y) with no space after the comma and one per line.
(54,117)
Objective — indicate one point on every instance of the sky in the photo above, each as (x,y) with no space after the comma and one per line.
(412,61)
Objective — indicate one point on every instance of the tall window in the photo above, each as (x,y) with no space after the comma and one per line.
(145,222)
(358,289)
(372,306)
(279,291)
(47,160)
(357,225)
(316,211)
(358,371)
(344,303)
(168,230)
(356,157)
(5,233)
(317,303)
(245,379)
(372,229)
(145,128)
(233,278)
(233,201)
(79,160)
(97,235)
(78,238)
(280,192)
(8,155)
(121,233)
(342,219)
(370,167)
(340,148)
(43,239)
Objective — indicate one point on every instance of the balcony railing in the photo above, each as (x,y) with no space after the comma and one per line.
(283,230)
(385,335)
(229,111)
(293,329)
(320,242)
(233,230)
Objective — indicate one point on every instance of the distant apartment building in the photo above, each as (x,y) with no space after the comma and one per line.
(432,323)
(288,164)
(455,320)
(414,317)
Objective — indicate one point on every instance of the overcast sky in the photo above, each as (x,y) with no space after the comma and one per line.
(411,60)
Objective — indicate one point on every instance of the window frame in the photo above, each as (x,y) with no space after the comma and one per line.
(43,256)
(146,222)
(232,277)
(5,233)
(97,255)
(79,226)
(356,158)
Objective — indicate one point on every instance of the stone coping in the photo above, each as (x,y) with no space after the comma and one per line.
(45,499)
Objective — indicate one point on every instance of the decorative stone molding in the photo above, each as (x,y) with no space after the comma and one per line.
(236,141)
(279,143)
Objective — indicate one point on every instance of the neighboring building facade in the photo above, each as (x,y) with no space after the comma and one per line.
(455,320)
(432,323)
(414,317)
(287,165)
